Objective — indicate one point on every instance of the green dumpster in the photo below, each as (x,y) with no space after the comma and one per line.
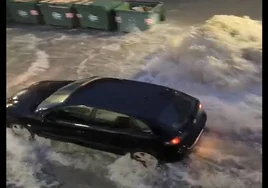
(59,12)
(133,15)
(99,14)
(8,16)
(8,13)
(25,11)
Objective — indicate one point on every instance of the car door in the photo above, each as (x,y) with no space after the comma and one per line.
(143,136)
(104,129)
(66,123)
(121,132)
(139,137)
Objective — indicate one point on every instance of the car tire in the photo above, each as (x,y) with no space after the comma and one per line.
(22,131)
(148,160)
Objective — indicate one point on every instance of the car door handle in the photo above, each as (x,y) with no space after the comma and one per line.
(80,132)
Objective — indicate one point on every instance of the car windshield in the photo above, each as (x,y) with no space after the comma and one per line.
(176,113)
(61,95)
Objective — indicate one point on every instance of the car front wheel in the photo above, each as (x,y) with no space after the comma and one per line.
(22,131)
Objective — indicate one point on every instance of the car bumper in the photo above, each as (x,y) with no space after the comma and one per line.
(188,142)
(186,148)
(192,139)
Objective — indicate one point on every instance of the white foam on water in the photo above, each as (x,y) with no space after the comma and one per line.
(13,165)
(39,66)
(41,63)
(78,157)
(211,54)
(37,164)
(27,41)
(112,47)
(131,173)
(23,164)
(219,62)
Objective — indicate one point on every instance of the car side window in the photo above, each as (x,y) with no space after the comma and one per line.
(110,119)
(143,127)
(120,121)
(79,110)
(77,114)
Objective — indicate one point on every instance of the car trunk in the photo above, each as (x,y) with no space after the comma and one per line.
(179,115)
(187,107)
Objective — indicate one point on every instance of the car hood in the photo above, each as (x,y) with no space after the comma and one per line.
(26,100)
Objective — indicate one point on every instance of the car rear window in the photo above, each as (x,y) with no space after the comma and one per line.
(176,112)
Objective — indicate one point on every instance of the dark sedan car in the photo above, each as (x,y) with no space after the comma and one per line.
(110,114)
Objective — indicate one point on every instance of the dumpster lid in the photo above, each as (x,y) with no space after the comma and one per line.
(23,1)
(59,1)
(84,2)
(107,4)
(138,6)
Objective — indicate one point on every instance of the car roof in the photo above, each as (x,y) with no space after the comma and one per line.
(133,98)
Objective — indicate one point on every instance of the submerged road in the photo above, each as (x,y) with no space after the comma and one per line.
(229,156)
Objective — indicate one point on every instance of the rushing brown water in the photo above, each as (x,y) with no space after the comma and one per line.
(215,58)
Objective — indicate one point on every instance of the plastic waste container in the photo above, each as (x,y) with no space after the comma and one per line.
(25,11)
(58,12)
(98,14)
(133,15)
(8,13)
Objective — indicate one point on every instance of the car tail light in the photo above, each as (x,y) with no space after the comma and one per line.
(200,106)
(174,141)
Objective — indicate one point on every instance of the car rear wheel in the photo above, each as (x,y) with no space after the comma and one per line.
(22,131)
(146,159)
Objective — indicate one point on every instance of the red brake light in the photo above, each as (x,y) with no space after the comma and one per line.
(175,141)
